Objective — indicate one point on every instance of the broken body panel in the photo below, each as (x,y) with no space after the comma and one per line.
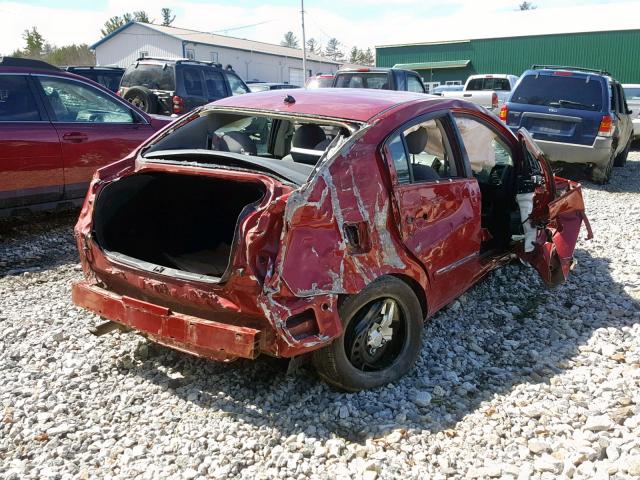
(301,249)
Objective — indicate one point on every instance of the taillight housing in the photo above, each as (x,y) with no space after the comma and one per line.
(494,100)
(178,104)
(504,113)
(606,126)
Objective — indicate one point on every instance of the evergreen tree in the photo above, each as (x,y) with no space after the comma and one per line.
(289,40)
(167,18)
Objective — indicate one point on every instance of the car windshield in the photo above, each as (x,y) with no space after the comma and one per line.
(583,92)
(153,76)
(321,82)
(285,139)
(488,83)
(377,80)
(632,93)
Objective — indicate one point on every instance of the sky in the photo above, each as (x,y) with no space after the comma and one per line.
(361,23)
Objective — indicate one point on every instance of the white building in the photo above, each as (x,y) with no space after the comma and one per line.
(250,59)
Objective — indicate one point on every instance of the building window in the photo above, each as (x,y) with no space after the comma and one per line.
(143,54)
(191,53)
(214,57)
(453,82)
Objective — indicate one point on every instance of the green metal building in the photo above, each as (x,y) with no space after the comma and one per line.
(453,61)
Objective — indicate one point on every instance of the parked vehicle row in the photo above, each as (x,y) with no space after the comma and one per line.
(56,129)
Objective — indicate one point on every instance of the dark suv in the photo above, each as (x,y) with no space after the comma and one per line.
(576,115)
(108,77)
(174,87)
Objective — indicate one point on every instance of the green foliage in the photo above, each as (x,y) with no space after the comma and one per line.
(37,48)
(167,18)
(289,40)
(116,22)
(35,42)
(361,57)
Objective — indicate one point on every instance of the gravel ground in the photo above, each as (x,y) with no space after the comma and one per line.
(514,380)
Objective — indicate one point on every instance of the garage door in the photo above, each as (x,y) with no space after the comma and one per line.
(296,77)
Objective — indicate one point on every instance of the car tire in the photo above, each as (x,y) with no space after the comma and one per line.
(602,174)
(143,98)
(621,158)
(381,339)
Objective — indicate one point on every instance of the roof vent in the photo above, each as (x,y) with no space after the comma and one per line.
(289,99)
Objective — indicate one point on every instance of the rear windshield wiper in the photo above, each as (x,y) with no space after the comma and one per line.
(571,103)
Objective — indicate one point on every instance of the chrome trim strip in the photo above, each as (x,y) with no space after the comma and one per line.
(456,264)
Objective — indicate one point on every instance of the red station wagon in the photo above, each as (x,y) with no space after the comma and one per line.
(56,129)
(327,222)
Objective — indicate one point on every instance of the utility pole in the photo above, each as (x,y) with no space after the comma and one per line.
(304,48)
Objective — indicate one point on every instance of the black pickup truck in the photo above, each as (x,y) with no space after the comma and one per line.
(380,78)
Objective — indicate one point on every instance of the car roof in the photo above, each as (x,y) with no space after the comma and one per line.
(341,103)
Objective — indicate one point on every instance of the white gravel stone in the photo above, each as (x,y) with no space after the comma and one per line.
(516,380)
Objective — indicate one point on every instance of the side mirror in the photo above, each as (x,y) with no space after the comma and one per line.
(629,112)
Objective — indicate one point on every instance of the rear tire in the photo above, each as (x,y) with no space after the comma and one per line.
(381,340)
(602,174)
(621,158)
(143,98)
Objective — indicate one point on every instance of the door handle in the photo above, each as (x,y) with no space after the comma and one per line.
(75,137)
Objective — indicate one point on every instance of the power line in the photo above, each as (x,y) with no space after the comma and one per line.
(241,27)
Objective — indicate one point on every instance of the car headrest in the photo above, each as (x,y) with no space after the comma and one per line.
(307,145)
(417,141)
(308,136)
(238,142)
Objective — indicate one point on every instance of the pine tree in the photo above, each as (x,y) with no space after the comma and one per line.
(289,40)
(167,18)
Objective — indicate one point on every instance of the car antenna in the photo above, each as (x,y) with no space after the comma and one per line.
(289,99)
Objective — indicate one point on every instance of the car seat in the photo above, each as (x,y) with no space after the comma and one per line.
(238,142)
(416,143)
(308,144)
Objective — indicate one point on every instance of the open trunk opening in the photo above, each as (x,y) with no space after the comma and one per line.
(183,222)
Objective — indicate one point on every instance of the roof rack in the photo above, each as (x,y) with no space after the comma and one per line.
(93,67)
(561,67)
(180,60)
(26,63)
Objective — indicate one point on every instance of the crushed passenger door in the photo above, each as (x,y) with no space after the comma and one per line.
(555,217)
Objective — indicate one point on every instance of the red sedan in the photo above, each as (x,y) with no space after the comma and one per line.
(326,222)
(56,129)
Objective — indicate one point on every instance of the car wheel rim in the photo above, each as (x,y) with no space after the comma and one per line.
(138,102)
(376,335)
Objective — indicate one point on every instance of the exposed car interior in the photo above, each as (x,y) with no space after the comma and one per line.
(431,159)
(290,140)
(492,166)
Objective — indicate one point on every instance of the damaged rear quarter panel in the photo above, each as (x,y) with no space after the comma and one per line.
(352,188)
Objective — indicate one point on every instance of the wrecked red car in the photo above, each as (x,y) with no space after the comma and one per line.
(327,222)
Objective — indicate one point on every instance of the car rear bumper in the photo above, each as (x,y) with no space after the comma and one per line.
(596,154)
(197,336)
